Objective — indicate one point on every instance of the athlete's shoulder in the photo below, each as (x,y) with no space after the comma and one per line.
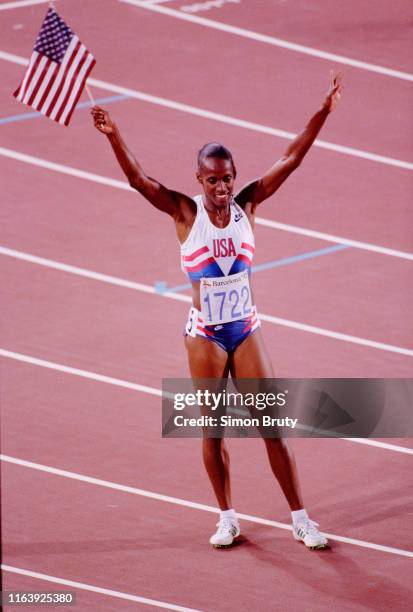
(245,196)
(186,206)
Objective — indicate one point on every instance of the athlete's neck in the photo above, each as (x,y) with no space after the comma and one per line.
(219,213)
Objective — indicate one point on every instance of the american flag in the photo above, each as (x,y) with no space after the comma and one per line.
(57,71)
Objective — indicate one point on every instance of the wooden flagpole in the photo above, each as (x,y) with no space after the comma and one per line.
(89,93)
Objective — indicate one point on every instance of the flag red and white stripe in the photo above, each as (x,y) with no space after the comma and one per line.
(57,71)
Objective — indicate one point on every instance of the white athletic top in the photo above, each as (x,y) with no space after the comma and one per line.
(211,252)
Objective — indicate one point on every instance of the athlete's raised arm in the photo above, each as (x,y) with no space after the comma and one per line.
(166,200)
(264,187)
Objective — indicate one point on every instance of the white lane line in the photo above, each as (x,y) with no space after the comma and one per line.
(103,180)
(105,278)
(49,263)
(377,444)
(189,504)
(294,229)
(158,392)
(271,40)
(95,589)
(49,165)
(249,125)
(14,59)
(11,5)
(312,329)
(117,382)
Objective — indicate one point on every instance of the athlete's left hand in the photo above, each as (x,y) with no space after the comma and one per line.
(334,91)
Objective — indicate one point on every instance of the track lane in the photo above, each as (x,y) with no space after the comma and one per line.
(225,53)
(349,596)
(122,532)
(323,194)
(341,31)
(102,410)
(53,322)
(85,600)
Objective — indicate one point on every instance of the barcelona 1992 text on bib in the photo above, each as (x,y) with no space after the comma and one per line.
(226,298)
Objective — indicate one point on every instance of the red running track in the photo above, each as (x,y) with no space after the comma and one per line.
(124,541)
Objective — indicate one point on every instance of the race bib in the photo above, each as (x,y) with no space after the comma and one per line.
(226,298)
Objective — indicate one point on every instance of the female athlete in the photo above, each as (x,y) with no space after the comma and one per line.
(215,231)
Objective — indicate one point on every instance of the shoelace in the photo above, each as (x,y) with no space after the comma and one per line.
(308,526)
(225,525)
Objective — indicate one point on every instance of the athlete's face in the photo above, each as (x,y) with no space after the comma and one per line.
(217,177)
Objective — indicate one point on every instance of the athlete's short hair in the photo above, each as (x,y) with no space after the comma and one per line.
(214,149)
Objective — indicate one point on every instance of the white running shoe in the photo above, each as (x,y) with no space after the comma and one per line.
(306,531)
(228,530)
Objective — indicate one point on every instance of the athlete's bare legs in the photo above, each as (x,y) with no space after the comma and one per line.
(208,360)
(251,360)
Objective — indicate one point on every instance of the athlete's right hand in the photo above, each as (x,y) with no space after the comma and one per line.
(334,91)
(102,120)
